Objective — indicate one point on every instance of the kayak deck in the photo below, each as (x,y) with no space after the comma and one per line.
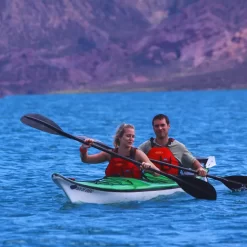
(130,184)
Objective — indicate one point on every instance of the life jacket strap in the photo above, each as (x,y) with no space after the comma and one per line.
(153,144)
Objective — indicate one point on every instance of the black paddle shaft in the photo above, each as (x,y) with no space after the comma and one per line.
(193,186)
(234,183)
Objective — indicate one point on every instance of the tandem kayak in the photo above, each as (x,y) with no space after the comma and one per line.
(109,190)
(115,189)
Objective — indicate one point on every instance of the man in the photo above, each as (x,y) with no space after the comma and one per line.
(168,149)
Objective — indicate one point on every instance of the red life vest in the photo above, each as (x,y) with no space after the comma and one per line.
(164,154)
(123,168)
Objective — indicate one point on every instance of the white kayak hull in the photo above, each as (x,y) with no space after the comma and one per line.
(78,193)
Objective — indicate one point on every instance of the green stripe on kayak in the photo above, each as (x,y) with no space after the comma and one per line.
(150,182)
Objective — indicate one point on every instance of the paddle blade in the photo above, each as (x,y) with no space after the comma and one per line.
(235,183)
(31,120)
(197,187)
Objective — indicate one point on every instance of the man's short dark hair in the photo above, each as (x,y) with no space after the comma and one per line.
(160,117)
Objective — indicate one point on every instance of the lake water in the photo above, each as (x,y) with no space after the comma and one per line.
(35,212)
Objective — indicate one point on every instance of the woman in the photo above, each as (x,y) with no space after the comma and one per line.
(123,141)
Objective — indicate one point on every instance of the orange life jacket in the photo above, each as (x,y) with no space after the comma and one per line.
(164,154)
(123,168)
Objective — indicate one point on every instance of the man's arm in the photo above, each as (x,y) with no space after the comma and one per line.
(200,170)
(186,158)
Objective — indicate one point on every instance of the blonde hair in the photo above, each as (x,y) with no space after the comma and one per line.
(119,133)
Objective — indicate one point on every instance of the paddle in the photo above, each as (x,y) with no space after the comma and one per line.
(193,186)
(234,183)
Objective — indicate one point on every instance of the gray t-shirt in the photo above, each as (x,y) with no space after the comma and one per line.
(181,153)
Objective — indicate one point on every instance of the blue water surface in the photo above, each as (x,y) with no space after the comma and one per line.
(35,212)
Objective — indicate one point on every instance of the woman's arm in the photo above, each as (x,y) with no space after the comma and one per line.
(146,163)
(94,158)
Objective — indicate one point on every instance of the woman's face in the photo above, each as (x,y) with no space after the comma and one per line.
(128,137)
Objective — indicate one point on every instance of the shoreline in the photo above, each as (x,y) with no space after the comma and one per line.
(231,79)
(127,90)
(144,89)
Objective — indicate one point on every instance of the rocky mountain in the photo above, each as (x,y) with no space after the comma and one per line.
(89,45)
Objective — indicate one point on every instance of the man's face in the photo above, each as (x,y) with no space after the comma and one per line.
(161,128)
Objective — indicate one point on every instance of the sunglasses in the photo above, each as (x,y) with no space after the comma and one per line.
(159,125)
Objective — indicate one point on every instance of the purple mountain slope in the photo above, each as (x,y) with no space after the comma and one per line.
(88,45)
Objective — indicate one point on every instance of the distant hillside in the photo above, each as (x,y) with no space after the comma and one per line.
(89,45)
